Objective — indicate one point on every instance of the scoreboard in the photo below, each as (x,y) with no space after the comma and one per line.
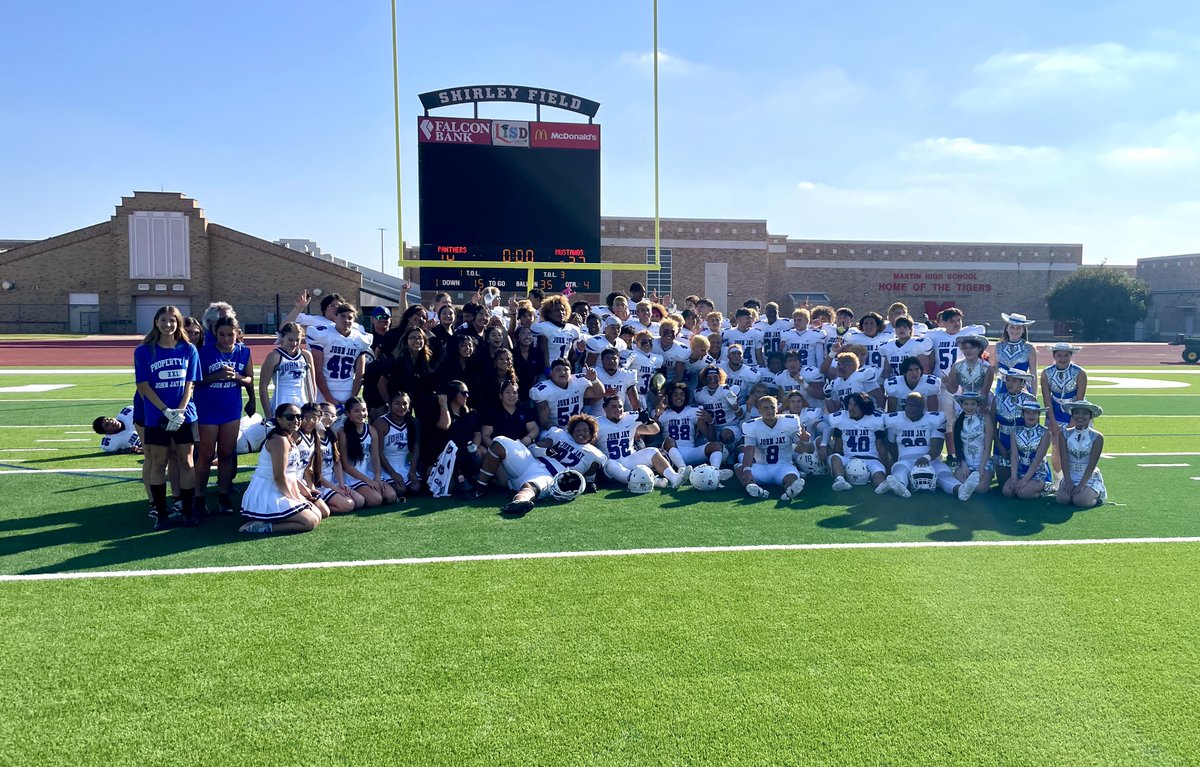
(509,192)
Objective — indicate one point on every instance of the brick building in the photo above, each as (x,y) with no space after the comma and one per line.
(157,248)
(1175,292)
(733,260)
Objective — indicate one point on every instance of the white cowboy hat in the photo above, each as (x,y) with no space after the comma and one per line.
(1063,346)
(977,396)
(1032,404)
(976,337)
(1016,318)
(1017,373)
(1082,404)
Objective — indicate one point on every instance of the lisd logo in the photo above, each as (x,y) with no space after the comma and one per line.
(510,133)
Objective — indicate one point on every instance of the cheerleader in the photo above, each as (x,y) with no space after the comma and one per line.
(1082,484)
(1029,444)
(303,470)
(290,369)
(275,502)
(1061,383)
(973,436)
(359,448)
(166,367)
(331,484)
(227,368)
(1013,350)
(1006,416)
(399,437)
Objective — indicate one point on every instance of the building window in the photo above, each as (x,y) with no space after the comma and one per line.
(660,281)
(158,245)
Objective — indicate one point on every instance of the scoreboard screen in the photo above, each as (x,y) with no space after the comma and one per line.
(515,192)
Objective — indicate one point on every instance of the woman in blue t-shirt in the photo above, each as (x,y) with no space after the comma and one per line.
(166,367)
(226,368)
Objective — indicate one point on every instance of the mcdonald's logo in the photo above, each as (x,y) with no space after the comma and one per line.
(540,134)
(565,135)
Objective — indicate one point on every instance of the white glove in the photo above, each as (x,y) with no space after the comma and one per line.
(174,418)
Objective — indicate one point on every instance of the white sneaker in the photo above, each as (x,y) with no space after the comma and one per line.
(898,487)
(755,491)
(725,475)
(793,490)
(255,526)
(968,486)
(841,484)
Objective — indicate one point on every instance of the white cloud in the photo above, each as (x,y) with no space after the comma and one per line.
(969,149)
(1164,146)
(667,63)
(1151,156)
(1010,78)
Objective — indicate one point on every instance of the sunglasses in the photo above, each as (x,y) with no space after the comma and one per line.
(465,393)
(289,416)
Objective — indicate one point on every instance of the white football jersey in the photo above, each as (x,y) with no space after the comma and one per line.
(895,352)
(871,343)
(644,366)
(565,453)
(341,352)
(680,426)
(597,344)
(616,439)
(858,437)
(808,343)
(560,339)
(615,383)
(897,386)
(126,439)
(773,444)
(945,346)
(744,377)
(676,352)
(913,438)
(750,340)
(563,403)
(315,320)
(718,405)
(691,369)
(772,332)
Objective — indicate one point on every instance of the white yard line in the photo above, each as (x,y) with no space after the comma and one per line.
(61,471)
(51,426)
(63,440)
(579,554)
(1142,455)
(65,372)
(1162,465)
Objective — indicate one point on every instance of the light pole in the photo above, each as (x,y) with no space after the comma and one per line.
(381,260)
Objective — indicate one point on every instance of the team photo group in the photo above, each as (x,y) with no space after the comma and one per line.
(543,398)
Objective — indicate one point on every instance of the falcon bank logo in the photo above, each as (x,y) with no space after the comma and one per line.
(455,131)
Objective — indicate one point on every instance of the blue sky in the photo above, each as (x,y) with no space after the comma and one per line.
(1010,122)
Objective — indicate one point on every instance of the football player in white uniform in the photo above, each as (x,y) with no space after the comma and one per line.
(698,359)
(911,377)
(808,342)
(944,350)
(538,471)
(808,381)
(556,336)
(724,410)
(616,380)
(738,374)
(610,336)
(119,434)
(917,437)
(328,317)
(771,441)
(687,430)
(772,327)
(869,335)
(645,364)
(618,430)
(564,394)
(850,379)
(745,337)
(902,346)
(644,319)
(339,356)
(674,353)
(854,433)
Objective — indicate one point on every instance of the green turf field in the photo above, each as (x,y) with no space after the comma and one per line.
(1081,654)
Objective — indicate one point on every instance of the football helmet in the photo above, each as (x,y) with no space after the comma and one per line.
(641,480)
(810,463)
(567,486)
(705,477)
(922,478)
(252,433)
(857,472)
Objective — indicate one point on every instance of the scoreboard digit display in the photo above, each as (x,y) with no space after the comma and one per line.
(508,191)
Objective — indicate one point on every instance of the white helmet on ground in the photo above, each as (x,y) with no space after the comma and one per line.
(568,485)
(922,478)
(810,463)
(706,477)
(857,472)
(641,480)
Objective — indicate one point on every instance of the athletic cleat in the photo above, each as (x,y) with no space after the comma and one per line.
(226,508)
(755,491)
(884,487)
(478,491)
(255,526)
(176,508)
(681,478)
(661,483)
(517,508)
(793,490)
(968,486)
(898,487)
(841,484)
(725,475)
(189,520)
